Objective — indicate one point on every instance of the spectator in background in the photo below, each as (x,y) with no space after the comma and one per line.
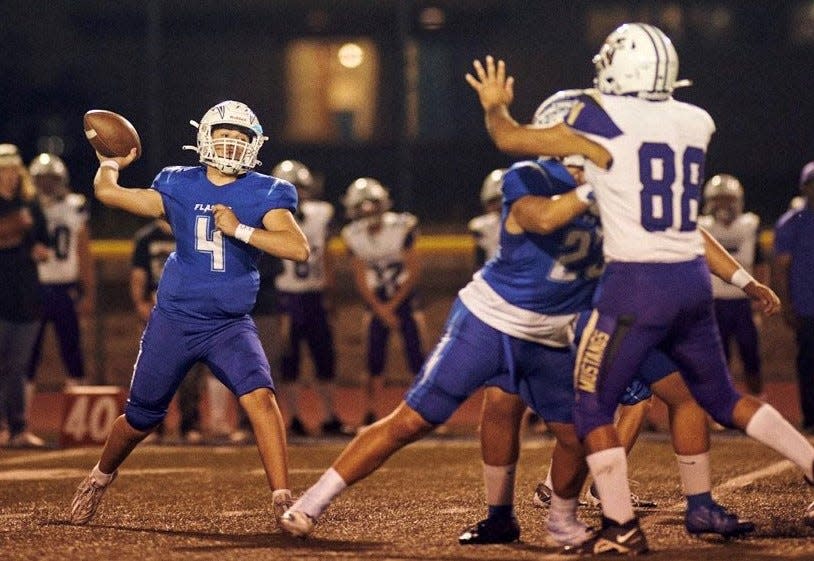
(737,231)
(23,242)
(486,227)
(67,277)
(386,269)
(302,291)
(792,271)
(153,244)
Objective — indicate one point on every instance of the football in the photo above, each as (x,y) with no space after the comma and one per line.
(111,134)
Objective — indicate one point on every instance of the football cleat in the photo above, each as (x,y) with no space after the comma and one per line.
(297,523)
(613,539)
(808,516)
(569,532)
(591,499)
(87,498)
(281,501)
(491,530)
(542,496)
(715,519)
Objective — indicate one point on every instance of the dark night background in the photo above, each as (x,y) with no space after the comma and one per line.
(164,63)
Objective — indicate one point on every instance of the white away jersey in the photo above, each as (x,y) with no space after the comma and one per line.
(314,218)
(486,231)
(739,239)
(65,218)
(383,249)
(649,198)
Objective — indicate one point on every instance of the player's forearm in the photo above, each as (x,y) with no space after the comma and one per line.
(283,244)
(142,202)
(544,215)
(720,262)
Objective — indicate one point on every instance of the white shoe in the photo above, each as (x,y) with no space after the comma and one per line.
(281,501)
(297,523)
(26,439)
(569,532)
(87,498)
(808,517)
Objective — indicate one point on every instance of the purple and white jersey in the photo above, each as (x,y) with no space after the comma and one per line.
(65,218)
(649,198)
(314,220)
(740,240)
(486,231)
(382,249)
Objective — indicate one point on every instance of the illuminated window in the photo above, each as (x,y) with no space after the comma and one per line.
(331,89)
(802,24)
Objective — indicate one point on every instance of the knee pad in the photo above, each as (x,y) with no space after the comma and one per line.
(141,417)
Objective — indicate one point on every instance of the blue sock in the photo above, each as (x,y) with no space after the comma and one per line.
(701,499)
(501,511)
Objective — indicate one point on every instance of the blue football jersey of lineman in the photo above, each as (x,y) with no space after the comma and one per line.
(548,274)
(211,275)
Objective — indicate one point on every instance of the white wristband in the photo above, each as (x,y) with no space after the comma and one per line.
(585,193)
(112,164)
(741,278)
(243,232)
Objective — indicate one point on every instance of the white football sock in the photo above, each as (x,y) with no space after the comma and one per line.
(768,427)
(695,473)
(499,483)
(100,477)
(609,472)
(319,496)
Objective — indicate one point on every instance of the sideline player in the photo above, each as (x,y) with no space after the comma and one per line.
(223,216)
(67,277)
(637,135)
(304,292)
(737,231)
(386,270)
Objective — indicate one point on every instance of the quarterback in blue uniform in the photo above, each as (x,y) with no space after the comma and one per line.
(223,216)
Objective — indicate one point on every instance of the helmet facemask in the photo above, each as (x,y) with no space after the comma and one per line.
(366,197)
(232,156)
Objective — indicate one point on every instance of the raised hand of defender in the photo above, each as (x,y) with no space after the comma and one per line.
(764,297)
(491,83)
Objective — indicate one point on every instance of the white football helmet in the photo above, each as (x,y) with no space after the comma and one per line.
(492,187)
(50,174)
(365,190)
(231,156)
(298,175)
(723,197)
(637,58)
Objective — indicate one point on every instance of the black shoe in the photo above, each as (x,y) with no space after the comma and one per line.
(332,427)
(715,519)
(297,428)
(615,539)
(491,530)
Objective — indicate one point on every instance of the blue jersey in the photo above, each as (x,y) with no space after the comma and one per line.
(548,274)
(210,275)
